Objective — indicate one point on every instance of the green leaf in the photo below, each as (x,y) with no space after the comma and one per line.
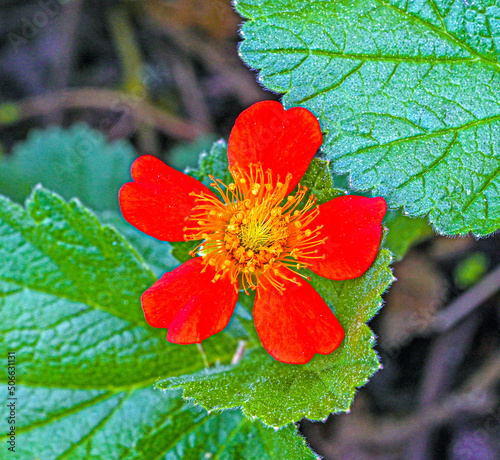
(281,393)
(75,162)
(213,163)
(86,359)
(319,180)
(406,92)
(71,293)
(404,232)
(159,255)
(141,423)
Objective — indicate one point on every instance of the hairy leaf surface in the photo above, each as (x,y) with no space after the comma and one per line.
(406,93)
(86,360)
(281,393)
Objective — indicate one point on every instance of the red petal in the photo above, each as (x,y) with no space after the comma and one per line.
(353,225)
(283,141)
(188,304)
(295,325)
(158,200)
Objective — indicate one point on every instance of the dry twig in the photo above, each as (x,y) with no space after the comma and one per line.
(105,99)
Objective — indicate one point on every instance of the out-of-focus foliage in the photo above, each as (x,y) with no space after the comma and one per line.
(471,270)
(75,162)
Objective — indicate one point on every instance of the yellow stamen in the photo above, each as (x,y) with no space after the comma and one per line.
(254,230)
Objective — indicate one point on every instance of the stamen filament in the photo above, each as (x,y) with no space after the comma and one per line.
(253,231)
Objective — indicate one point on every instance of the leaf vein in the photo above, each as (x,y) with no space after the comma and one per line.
(96,428)
(426,136)
(335,85)
(485,185)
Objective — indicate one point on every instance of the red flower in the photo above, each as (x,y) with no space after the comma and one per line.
(254,238)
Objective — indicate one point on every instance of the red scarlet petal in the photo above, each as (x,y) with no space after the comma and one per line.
(159,199)
(353,225)
(188,304)
(295,325)
(283,141)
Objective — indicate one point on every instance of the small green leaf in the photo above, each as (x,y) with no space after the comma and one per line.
(75,162)
(280,393)
(406,93)
(86,359)
(181,249)
(319,180)
(404,232)
(213,163)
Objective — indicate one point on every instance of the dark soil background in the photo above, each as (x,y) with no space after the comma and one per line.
(165,73)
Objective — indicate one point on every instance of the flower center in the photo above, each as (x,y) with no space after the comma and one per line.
(257,235)
(254,230)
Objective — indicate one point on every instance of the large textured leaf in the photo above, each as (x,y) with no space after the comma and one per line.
(141,423)
(85,358)
(74,162)
(157,254)
(281,393)
(403,231)
(406,92)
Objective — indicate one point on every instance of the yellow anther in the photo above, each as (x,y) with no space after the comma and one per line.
(255,189)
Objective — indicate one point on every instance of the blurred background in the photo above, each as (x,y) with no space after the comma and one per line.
(86,86)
